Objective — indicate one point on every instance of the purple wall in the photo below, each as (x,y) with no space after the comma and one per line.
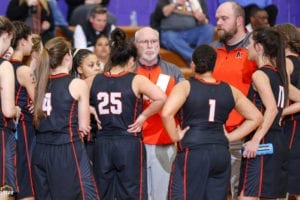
(288,10)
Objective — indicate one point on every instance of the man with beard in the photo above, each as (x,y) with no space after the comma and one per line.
(233,67)
(159,147)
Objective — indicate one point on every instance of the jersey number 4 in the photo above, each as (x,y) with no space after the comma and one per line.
(47,106)
(110,103)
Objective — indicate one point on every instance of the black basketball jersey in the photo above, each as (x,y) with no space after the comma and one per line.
(60,124)
(295,76)
(206,110)
(295,79)
(277,89)
(116,104)
(5,122)
(21,96)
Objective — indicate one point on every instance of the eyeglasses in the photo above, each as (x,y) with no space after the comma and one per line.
(148,41)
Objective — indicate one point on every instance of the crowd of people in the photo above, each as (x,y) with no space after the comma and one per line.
(103,116)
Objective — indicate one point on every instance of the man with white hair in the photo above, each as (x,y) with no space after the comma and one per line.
(159,147)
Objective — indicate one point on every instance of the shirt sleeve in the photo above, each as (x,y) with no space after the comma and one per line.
(79,38)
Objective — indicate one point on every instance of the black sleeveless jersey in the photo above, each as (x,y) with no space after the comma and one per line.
(116,104)
(206,110)
(278,92)
(295,76)
(295,79)
(21,96)
(60,124)
(5,122)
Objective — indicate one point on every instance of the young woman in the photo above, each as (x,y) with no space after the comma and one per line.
(60,165)
(204,104)
(102,50)
(292,120)
(85,64)
(119,162)
(265,176)
(24,94)
(8,111)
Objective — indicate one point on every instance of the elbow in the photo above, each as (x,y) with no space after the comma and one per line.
(258,119)
(9,113)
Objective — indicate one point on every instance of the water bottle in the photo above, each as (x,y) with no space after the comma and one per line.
(263,149)
(133,18)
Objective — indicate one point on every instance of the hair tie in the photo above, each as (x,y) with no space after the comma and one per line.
(75,52)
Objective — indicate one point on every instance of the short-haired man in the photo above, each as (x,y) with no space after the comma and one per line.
(233,67)
(85,34)
(159,147)
(183,25)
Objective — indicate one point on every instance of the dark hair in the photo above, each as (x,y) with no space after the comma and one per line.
(105,3)
(78,56)
(6,26)
(121,50)
(22,31)
(204,58)
(274,49)
(52,56)
(101,35)
(291,36)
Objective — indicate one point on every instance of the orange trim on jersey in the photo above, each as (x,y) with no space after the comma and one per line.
(185,173)
(58,75)
(108,74)
(27,151)
(217,82)
(293,134)
(3,158)
(141,171)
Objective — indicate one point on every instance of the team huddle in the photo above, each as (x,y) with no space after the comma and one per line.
(135,128)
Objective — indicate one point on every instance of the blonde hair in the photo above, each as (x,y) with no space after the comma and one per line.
(44,4)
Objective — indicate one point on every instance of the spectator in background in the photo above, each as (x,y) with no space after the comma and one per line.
(82,13)
(259,18)
(72,4)
(271,9)
(183,25)
(59,19)
(102,50)
(85,34)
(36,13)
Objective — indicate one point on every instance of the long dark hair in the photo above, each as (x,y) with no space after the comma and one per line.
(121,50)
(274,49)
